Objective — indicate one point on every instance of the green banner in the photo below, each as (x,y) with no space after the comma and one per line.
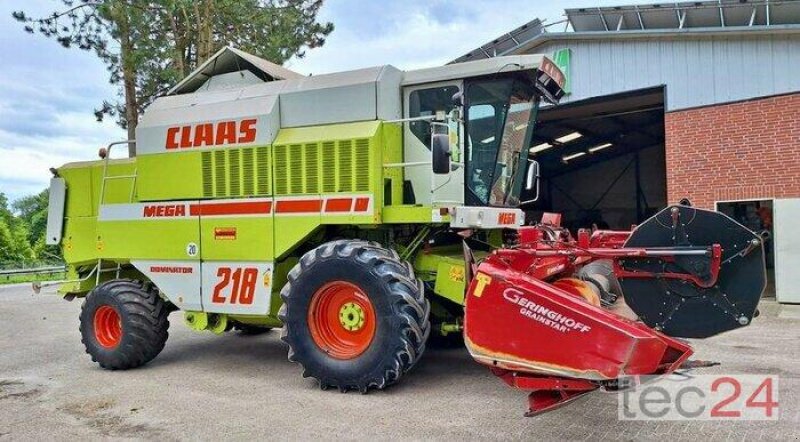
(562,58)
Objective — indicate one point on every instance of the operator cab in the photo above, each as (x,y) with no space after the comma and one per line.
(478,131)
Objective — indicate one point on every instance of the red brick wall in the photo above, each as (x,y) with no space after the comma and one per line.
(739,151)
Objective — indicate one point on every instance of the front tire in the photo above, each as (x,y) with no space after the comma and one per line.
(124,324)
(355,316)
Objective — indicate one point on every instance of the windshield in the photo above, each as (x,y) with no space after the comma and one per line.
(500,118)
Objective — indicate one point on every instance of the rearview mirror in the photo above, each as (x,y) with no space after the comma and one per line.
(440,149)
(532,179)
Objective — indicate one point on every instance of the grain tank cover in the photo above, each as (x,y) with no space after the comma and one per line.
(359,95)
(252,115)
(230,67)
(180,123)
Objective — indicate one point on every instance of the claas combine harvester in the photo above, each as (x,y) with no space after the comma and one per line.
(365,212)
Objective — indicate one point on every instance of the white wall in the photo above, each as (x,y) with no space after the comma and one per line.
(787,250)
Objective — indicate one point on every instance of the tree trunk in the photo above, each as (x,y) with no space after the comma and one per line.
(180,47)
(128,78)
(205,36)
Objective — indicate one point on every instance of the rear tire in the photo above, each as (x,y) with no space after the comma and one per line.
(124,324)
(355,316)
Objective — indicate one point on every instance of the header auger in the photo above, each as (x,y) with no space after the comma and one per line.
(335,206)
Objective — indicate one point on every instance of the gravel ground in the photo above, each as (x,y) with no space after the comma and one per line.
(204,386)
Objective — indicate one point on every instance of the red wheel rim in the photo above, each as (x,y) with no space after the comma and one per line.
(107,326)
(341,320)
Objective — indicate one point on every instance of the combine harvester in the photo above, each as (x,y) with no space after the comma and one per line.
(363,212)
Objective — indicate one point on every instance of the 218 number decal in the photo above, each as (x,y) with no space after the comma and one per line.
(242,283)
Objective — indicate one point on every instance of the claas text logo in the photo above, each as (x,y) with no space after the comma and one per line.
(211,134)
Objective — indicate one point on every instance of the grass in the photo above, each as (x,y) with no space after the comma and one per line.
(17,279)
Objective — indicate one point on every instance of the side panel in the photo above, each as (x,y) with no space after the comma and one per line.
(325,175)
(169,176)
(162,240)
(55,211)
(168,231)
(237,287)
(239,229)
(178,280)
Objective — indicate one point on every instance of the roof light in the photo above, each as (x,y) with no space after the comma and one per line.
(569,137)
(600,147)
(540,147)
(573,156)
(487,140)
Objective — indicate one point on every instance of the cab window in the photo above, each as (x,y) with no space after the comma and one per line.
(426,102)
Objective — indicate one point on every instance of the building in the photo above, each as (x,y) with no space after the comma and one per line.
(697,100)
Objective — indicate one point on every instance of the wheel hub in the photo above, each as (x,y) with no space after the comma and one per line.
(351,316)
(341,320)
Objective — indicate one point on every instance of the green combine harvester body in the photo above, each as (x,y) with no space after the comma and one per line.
(243,180)
(366,212)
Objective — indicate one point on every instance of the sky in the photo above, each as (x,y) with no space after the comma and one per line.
(48,93)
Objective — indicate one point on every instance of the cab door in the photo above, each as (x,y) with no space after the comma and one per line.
(420,101)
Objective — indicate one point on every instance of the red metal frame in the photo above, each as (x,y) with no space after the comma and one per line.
(552,342)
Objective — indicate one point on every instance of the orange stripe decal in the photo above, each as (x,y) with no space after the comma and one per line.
(362,204)
(237,208)
(298,206)
(338,204)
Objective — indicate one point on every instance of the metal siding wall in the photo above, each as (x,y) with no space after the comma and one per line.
(787,250)
(697,72)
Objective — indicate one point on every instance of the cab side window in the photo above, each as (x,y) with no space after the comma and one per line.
(426,102)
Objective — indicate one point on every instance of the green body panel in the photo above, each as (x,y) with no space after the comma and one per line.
(408,214)
(445,267)
(334,161)
(169,176)
(79,242)
(392,176)
(152,239)
(250,243)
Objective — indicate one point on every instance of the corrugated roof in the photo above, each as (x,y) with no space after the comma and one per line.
(659,20)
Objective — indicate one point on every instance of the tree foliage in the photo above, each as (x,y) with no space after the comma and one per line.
(22,232)
(148,46)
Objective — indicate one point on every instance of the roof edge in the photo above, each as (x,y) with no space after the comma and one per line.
(653,33)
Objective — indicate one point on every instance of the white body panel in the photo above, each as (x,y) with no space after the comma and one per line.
(360,95)
(212,286)
(486,218)
(469,69)
(787,250)
(179,281)
(55,211)
(222,293)
(152,133)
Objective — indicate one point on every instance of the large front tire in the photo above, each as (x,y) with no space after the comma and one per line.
(355,316)
(124,324)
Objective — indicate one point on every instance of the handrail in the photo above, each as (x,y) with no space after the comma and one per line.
(105,170)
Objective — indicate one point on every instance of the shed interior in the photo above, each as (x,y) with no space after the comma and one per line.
(602,160)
